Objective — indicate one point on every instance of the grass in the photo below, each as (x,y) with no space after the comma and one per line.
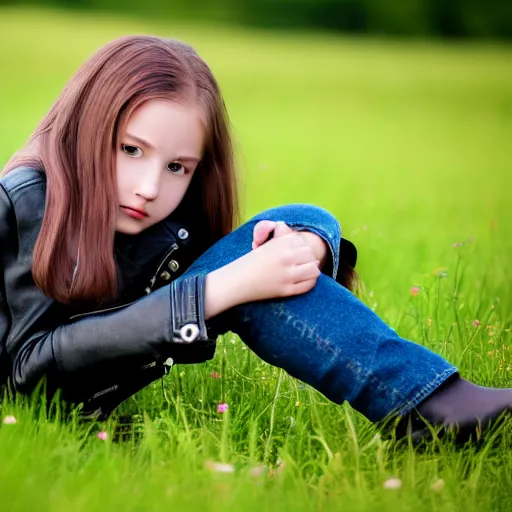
(408,144)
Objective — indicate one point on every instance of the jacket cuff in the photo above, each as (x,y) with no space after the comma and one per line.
(187,309)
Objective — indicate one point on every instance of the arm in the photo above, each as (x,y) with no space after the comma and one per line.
(83,354)
(90,352)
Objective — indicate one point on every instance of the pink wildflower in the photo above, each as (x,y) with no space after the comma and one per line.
(222,408)
(10,420)
(219,467)
(476,323)
(393,483)
(103,436)
(415,290)
(458,244)
(215,375)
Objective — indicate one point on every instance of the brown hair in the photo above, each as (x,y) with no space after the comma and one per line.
(74,145)
(348,277)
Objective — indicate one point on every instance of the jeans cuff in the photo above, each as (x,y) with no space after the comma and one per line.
(426,391)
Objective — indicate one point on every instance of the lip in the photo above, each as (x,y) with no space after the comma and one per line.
(134,212)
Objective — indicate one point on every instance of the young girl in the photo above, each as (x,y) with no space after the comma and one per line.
(119,258)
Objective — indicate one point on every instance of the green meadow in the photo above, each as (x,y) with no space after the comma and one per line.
(409,144)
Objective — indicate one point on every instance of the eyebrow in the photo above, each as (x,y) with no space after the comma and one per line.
(142,142)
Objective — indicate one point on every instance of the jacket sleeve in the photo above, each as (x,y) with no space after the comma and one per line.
(91,351)
(4,329)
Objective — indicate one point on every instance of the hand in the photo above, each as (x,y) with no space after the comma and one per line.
(281,267)
(263,229)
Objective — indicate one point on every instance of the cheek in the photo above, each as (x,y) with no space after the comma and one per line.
(124,171)
(173,190)
(119,170)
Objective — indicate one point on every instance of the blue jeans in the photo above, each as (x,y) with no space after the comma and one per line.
(327,337)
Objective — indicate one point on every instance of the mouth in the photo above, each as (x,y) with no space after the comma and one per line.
(134,212)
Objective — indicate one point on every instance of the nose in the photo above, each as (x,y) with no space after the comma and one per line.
(149,184)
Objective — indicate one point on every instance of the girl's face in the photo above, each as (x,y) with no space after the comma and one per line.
(156,157)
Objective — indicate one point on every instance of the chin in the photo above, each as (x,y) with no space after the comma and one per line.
(130,228)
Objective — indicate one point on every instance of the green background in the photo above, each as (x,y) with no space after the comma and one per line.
(447,19)
(408,143)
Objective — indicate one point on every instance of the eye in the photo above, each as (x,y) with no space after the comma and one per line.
(176,168)
(130,150)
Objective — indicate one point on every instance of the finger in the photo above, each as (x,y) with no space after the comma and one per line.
(303,254)
(304,286)
(261,232)
(293,239)
(305,272)
(282,229)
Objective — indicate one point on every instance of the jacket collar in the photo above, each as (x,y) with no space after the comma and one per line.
(140,257)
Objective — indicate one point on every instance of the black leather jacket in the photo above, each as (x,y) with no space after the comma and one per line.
(98,357)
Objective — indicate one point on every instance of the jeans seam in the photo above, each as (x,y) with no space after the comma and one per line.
(426,391)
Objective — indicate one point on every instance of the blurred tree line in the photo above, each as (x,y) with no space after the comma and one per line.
(445,18)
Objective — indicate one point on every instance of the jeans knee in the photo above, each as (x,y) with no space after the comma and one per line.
(301,215)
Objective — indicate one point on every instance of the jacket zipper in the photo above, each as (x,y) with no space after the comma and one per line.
(153,279)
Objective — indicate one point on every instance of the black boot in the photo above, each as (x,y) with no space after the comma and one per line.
(459,408)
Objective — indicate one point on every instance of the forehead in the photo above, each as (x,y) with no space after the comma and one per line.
(163,122)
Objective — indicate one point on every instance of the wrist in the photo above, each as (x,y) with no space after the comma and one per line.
(225,288)
(236,278)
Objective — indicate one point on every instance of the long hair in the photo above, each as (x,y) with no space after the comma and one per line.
(75,143)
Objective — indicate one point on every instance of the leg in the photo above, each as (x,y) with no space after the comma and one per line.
(327,337)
